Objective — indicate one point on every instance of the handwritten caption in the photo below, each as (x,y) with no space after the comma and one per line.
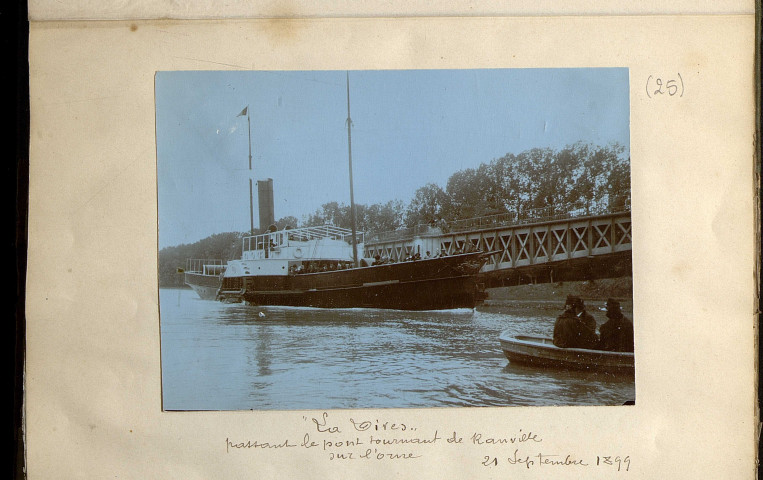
(665,86)
(380,440)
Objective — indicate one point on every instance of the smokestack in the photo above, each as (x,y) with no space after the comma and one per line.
(265,202)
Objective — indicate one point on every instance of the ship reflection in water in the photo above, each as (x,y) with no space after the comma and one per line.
(218,356)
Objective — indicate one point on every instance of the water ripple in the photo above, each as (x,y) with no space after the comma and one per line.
(219,356)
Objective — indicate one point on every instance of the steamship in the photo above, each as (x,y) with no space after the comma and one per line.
(314,267)
(319,266)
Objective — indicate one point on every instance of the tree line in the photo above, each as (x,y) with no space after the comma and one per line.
(581,177)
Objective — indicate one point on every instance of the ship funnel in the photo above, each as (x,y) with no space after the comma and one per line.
(265,202)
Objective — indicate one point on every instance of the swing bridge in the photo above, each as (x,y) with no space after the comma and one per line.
(536,248)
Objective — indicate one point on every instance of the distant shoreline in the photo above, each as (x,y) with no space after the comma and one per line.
(620,288)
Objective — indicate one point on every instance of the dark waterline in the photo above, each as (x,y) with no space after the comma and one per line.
(219,356)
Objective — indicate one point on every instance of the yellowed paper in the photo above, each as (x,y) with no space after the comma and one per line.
(93,389)
(40,10)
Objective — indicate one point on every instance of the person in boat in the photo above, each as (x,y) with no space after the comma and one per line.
(427,255)
(575,328)
(617,331)
(377,260)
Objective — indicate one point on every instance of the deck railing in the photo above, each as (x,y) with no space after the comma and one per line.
(283,237)
(206,266)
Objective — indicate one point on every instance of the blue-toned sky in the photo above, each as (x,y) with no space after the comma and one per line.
(410,128)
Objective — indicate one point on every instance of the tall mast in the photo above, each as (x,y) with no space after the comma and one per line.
(251,201)
(352,195)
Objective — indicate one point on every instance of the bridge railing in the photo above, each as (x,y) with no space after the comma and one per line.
(535,215)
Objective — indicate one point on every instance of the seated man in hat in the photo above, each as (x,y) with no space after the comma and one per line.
(617,332)
(575,328)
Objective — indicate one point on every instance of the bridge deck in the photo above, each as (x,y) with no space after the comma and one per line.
(522,245)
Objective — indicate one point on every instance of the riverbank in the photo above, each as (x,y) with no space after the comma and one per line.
(594,291)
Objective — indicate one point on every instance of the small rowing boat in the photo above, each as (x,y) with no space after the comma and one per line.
(541,352)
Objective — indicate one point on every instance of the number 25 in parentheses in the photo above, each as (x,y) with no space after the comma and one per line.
(669,87)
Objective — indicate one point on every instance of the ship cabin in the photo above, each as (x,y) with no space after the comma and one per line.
(299,251)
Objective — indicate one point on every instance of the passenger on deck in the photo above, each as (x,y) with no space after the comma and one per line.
(575,328)
(417,256)
(377,260)
(427,255)
(617,332)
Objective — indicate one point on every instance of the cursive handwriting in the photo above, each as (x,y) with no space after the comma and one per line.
(540,460)
(256,444)
(321,425)
(384,440)
(364,425)
(396,441)
(521,437)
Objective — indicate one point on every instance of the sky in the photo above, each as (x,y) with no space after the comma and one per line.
(410,128)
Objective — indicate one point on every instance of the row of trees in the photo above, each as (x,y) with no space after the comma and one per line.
(581,177)
(369,218)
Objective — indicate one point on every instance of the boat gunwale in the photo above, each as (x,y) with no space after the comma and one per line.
(515,339)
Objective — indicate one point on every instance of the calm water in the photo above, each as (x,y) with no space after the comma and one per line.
(219,356)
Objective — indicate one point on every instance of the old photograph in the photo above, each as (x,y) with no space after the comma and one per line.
(298,242)
(394,238)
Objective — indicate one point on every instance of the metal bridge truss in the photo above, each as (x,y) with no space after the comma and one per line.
(524,245)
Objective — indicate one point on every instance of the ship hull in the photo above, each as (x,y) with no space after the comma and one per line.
(433,284)
(432,294)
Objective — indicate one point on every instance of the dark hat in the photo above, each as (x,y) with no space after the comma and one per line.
(574,301)
(612,303)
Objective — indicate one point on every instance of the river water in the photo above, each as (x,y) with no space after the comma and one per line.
(218,356)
